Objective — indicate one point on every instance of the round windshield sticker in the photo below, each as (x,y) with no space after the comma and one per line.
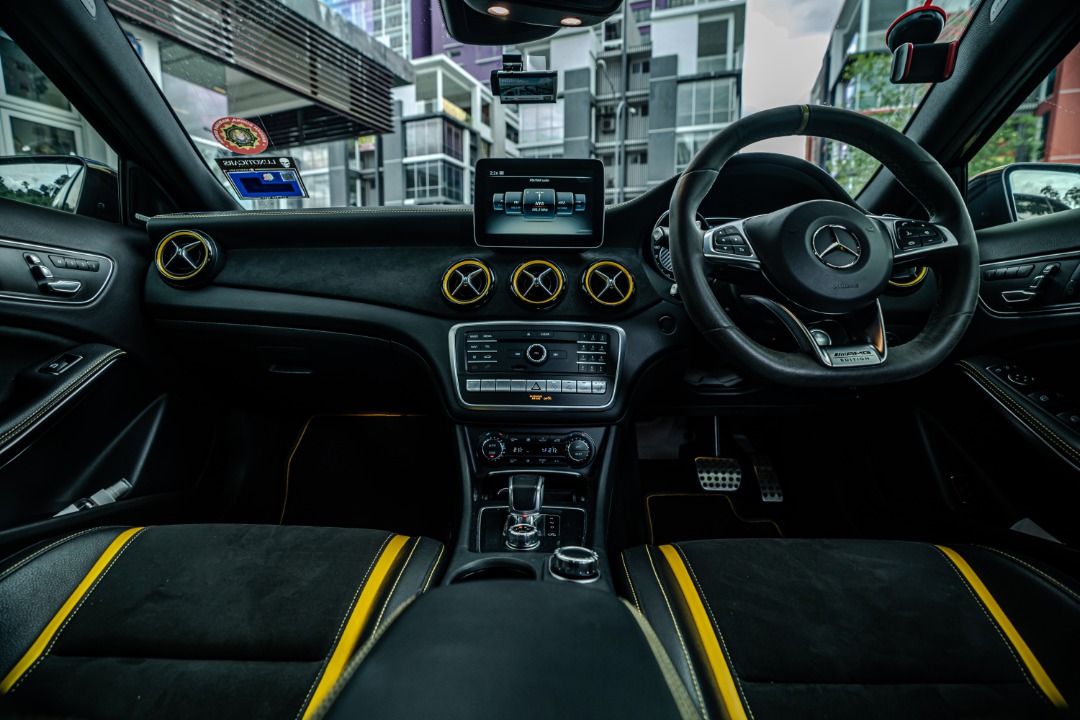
(240,135)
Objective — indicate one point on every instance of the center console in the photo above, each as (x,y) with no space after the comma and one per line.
(536,365)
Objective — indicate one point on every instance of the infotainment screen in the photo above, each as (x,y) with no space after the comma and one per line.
(539,203)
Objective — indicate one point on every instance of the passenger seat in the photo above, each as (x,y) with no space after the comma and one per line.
(197,621)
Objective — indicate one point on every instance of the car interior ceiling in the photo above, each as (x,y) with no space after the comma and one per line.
(352,493)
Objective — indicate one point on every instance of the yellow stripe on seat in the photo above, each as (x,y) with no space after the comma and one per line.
(39,647)
(725,681)
(1034,668)
(350,636)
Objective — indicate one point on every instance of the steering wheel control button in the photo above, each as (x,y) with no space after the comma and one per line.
(536,354)
(579,564)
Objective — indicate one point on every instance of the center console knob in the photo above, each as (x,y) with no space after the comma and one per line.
(579,449)
(492,448)
(522,536)
(536,353)
(575,563)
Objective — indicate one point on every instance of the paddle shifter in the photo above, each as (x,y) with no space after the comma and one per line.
(526,499)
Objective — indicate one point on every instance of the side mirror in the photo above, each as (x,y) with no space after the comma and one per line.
(62,182)
(1022,191)
(1043,190)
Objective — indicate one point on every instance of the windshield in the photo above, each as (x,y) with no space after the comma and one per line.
(371,103)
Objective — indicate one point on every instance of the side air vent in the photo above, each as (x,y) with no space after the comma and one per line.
(537,284)
(186,258)
(467,283)
(608,283)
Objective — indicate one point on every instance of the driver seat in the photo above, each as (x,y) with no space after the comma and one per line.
(788,628)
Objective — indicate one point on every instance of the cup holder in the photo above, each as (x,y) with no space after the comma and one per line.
(494,569)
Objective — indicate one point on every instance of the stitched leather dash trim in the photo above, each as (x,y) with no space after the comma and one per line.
(57,397)
(1033,422)
(730,695)
(1030,662)
(350,634)
(45,640)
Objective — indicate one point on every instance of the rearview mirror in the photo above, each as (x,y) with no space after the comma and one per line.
(62,182)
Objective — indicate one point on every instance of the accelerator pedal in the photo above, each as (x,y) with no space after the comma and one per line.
(716,474)
(768,480)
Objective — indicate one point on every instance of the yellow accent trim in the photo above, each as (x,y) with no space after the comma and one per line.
(45,639)
(455,266)
(911,283)
(558,290)
(288,468)
(725,681)
(608,263)
(350,636)
(161,249)
(1034,668)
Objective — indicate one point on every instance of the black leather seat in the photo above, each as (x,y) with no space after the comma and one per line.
(197,621)
(766,629)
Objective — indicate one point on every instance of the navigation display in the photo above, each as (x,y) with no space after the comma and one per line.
(539,203)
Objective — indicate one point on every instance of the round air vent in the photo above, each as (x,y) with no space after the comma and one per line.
(608,283)
(185,257)
(537,284)
(908,279)
(467,283)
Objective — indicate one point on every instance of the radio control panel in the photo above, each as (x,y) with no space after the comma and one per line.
(539,365)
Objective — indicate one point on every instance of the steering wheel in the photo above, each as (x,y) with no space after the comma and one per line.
(827,260)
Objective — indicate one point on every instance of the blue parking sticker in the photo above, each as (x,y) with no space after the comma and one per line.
(259,178)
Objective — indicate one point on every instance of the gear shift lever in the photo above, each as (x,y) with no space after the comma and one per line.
(526,499)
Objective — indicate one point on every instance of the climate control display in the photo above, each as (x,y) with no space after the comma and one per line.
(514,449)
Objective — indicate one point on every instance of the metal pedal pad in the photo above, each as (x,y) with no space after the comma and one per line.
(768,480)
(718,474)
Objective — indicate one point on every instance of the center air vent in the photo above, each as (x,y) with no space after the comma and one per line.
(467,283)
(537,284)
(608,283)
(186,258)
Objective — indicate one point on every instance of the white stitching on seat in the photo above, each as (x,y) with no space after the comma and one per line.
(75,611)
(1056,583)
(716,626)
(59,395)
(678,634)
(49,547)
(993,623)
(393,587)
(341,627)
(435,566)
(626,569)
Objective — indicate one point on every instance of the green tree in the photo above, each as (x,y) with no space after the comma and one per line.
(869,91)
(1020,139)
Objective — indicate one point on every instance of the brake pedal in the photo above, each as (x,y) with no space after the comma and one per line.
(717,474)
(768,480)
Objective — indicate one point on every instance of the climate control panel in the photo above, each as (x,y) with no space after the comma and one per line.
(502,449)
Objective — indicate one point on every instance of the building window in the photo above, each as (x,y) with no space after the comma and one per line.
(687,146)
(540,123)
(22,79)
(511,133)
(432,137)
(613,30)
(707,102)
(434,180)
(35,138)
(643,15)
(554,151)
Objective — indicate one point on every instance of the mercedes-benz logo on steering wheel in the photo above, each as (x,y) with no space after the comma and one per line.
(836,246)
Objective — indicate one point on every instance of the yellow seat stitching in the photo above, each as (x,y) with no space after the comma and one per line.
(716,627)
(993,624)
(393,587)
(341,627)
(678,634)
(431,574)
(1056,583)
